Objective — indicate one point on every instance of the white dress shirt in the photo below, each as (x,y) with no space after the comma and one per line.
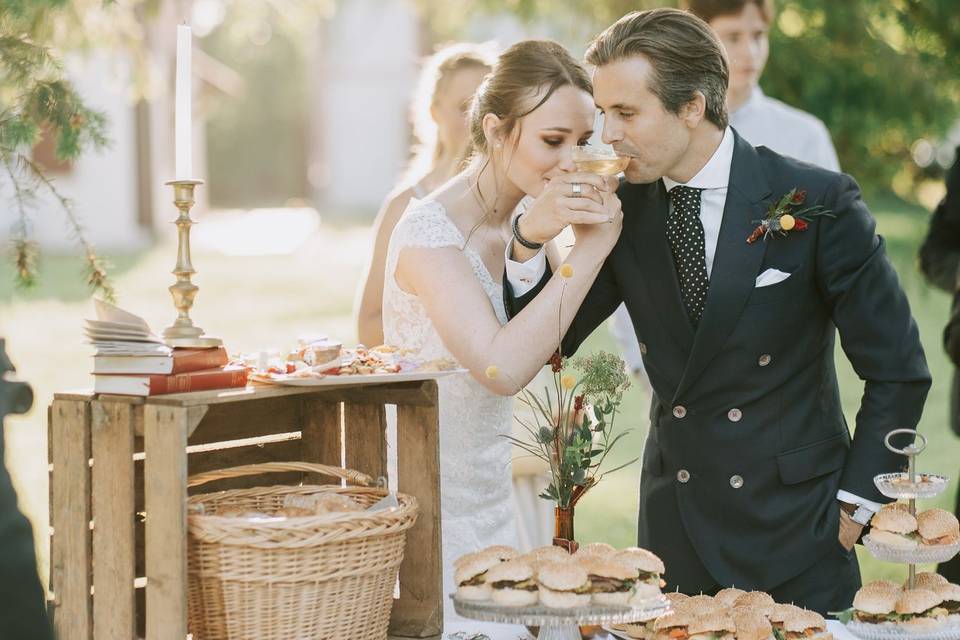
(714,179)
(766,122)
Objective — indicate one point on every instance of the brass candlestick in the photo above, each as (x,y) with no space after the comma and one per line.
(183,333)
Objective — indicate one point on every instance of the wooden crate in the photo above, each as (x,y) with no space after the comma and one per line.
(118,491)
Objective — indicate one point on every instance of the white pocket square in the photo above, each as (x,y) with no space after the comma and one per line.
(771,276)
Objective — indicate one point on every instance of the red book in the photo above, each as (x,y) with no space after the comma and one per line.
(180,361)
(223,378)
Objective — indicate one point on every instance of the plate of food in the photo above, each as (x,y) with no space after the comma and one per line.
(896,535)
(323,362)
(884,610)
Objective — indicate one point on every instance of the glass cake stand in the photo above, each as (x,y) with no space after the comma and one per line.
(948,630)
(561,624)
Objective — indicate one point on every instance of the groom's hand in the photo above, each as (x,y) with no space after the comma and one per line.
(849,530)
(559,206)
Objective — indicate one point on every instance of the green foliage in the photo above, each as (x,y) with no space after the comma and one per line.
(879,73)
(37,99)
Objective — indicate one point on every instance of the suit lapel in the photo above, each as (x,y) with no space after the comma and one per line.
(735,263)
(657,274)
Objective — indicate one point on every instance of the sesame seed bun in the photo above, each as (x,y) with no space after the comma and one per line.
(548,554)
(475,592)
(512,570)
(779,613)
(562,576)
(611,599)
(502,551)
(938,523)
(917,601)
(751,624)
(596,549)
(893,518)
(515,597)
(891,539)
(754,598)
(728,596)
(562,599)
(641,560)
(643,592)
(949,592)
(917,625)
(610,568)
(474,567)
(700,604)
(675,597)
(712,622)
(675,619)
(803,619)
(927,579)
(876,599)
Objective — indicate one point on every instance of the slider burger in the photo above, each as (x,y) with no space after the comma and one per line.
(500,551)
(751,624)
(894,526)
(875,603)
(471,575)
(563,585)
(513,584)
(713,625)
(938,527)
(674,626)
(805,624)
(778,614)
(926,580)
(759,599)
(920,609)
(541,555)
(611,583)
(647,568)
(675,598)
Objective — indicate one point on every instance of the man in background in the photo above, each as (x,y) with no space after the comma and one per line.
(743,26)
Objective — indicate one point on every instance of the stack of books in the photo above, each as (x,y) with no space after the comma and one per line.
(131,360)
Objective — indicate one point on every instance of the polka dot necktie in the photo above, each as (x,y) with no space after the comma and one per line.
(685,235)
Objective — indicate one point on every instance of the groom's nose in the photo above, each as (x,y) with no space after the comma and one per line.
(611,132)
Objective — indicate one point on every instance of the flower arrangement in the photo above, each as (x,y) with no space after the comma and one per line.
(782,218)
(571,427)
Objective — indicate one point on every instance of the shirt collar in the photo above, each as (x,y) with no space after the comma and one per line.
(716,173)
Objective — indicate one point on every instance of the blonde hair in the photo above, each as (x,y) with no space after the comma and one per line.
(434,76)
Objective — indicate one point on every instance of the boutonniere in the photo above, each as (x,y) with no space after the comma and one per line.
(786,215)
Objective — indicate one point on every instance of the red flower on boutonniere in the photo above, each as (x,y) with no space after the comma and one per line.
(782,217)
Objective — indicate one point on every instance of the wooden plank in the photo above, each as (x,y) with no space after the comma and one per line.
(419,611)
(322,435)
(70,553)
(365,438)
(165,488)
(113,532)
(81,395)
(248,419)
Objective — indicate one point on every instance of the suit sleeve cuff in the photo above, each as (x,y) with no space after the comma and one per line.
(846,496)
(524,276)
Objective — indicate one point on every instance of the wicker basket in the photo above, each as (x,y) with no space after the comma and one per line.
(329,576)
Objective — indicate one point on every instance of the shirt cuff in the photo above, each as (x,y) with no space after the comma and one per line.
(846,496)
(524,276)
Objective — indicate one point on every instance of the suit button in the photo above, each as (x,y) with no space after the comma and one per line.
(764,360)
(643,348)
(679,411)
(734,415)
(736,482)
(683,476)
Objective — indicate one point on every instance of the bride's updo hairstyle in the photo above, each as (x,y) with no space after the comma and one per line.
(520,75)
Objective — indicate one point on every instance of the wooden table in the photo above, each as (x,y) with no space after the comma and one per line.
(115,458)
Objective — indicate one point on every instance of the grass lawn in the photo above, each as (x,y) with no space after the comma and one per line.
(258,302)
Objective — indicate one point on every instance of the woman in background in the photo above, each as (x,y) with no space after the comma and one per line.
(448,81)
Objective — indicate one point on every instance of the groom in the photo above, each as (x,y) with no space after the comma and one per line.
(749,477)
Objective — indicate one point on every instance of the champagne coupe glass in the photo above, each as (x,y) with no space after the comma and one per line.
(603,161)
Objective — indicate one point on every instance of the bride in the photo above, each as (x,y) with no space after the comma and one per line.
(442,297)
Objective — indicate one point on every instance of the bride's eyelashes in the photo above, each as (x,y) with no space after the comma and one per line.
(557,142)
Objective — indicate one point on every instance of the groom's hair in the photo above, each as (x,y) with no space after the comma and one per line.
(707,10)
(683,52)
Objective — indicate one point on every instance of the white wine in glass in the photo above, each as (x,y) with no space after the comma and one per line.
(604,162)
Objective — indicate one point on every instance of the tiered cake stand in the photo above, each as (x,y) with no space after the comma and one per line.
(909,486)
(562,624)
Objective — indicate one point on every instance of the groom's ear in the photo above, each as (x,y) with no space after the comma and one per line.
(693,113)
(492,129)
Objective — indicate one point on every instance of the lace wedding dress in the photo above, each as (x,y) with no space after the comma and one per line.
(476,502)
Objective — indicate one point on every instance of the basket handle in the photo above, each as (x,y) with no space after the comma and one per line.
(278,467)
